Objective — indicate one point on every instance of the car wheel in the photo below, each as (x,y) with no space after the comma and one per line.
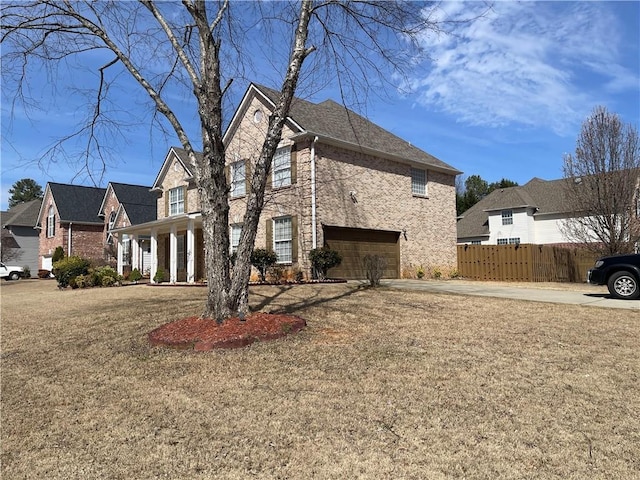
(14,276)
(623,285)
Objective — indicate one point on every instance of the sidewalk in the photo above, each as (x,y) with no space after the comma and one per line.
(589,295)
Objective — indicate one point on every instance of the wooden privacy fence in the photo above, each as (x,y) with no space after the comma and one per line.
(524,263)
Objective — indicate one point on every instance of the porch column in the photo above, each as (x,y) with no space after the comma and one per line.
(120,255)
(173,254)
(191,251)
(135,252)
(154,254)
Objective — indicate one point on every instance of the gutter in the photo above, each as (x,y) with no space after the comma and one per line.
(69,239)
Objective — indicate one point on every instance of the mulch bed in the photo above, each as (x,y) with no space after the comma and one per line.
(202,334)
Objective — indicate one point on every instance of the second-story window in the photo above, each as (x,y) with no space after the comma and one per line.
(51,222)
(112,219)
(418,182)
(238,179)
(282,167)
(176,201)
(235,237)
(507,217)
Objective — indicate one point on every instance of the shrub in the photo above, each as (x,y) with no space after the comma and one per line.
(135,275)
(108,281)
(436,273)
(42,273)
(58,254)
(82,281)
(454,273)
(263,259)
(26,272)
(420,272)
(322,259)
(69,268)
(159,276)
(374,266)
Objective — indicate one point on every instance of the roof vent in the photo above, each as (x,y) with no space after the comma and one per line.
(577,180)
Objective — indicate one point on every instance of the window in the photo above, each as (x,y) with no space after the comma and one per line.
(282,239)
(282,167)
(126,249)
(502,241)
(419,182)
(507,217)
(238,179)
(514,241)
(176,201)
(51,222)
(476,242)
(112,219)
(235,237)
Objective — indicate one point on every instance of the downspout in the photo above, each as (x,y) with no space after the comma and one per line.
(314,241)
(69,240)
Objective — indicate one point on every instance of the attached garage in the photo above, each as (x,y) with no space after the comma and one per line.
(354,243)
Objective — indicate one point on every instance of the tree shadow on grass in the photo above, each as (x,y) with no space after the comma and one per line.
(317,299)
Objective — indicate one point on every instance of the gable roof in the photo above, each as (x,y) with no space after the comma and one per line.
(182,156)
(22,215)
(76,203)
(138,201)
(544,196)
(334,123)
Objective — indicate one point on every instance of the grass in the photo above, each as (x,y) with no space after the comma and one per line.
(381,384)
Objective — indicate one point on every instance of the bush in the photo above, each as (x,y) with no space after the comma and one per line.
(159,276)
(135,275)
(322,259)
(108,281)
(26,272)
(58,254)
(436,273)
(42,273)
(420,272)
(69,268)
(263,259)
(374,266)
(82,281)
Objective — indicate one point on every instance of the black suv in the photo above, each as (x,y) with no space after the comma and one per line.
(620,273)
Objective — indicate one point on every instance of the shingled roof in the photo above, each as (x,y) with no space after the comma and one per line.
(545,196)
(332,121)
(138,201)
(76,203)
(22,215)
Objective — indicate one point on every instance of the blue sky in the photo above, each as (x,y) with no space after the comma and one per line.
(503,96)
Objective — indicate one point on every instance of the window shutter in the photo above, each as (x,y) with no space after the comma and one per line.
(269,230)
(294,239)
(247,177)
(166,202)
(294,164)
(186,204)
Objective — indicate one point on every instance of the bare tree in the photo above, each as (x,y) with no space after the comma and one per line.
(197,47)
(601,188)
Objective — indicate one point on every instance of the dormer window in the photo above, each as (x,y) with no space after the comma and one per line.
(176,201)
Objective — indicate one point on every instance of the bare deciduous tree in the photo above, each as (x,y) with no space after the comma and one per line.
(601,188)
(198,48)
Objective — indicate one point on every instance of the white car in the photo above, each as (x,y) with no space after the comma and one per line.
(10,272)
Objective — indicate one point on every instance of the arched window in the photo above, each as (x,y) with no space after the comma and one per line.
(112,220)
(51,222)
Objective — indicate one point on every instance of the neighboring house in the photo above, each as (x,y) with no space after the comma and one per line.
(531,213)
(125,205)
(69,218)
(337,179)
(18,221)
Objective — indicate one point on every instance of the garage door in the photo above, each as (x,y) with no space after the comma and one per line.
(354,243)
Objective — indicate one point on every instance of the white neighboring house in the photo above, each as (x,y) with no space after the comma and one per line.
(531,213)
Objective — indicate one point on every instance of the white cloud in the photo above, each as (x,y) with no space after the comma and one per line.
(530,64)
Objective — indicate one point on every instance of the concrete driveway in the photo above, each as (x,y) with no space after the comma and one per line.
(576,294)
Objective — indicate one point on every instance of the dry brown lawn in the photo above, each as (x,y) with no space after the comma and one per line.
(382,384)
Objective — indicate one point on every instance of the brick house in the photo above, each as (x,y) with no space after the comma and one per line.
(337,180)
(69,218)
(125,205)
